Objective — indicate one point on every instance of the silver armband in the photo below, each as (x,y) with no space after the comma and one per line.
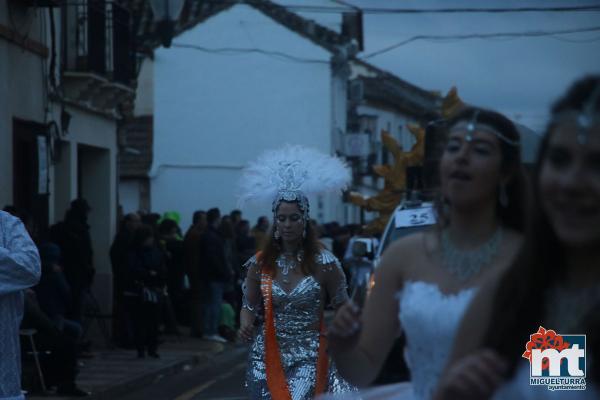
(245,302)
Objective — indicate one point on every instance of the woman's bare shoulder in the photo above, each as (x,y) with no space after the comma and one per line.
(408,244)
(402,254)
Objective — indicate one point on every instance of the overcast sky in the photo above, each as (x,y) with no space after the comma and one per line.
(520,77)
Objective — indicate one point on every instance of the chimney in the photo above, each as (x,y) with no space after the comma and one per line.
(352,27)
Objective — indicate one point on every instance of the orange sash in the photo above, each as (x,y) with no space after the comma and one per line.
(276,379)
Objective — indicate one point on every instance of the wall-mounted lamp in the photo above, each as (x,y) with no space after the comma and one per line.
(166,12)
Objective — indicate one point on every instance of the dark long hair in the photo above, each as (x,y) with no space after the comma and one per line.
(517,308)
(512,215)
(310,245)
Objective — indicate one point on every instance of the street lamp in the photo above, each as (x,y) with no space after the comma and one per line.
(166,12)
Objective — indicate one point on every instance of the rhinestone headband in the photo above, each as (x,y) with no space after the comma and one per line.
(292,196)
(473,126)
(289,178)
(584,118)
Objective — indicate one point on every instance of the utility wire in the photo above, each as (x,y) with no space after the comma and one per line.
(432,38)
(482,36)
(235,50)
(370,10)
(381,10)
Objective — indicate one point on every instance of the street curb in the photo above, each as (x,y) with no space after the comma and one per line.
(197,360)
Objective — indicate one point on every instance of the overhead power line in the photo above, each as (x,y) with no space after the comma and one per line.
(446,10)
(382,10)
(370,10)
(237,50)
(506,35)
(434,38)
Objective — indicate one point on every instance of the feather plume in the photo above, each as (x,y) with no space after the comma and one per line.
(292,168)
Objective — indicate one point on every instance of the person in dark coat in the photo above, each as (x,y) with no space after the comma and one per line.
(73,237)
(217,273)
(236,218)
(245,242)
(260,232)
(172,246)
(145,282)
(54,294)
(60,365)
(194,270)
(119,257)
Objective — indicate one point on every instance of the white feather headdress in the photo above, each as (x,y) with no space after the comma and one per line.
(292,173)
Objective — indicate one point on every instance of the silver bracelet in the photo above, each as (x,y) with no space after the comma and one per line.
(245,303)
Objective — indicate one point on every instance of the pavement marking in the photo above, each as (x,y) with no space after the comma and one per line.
(229,398)
(199,389)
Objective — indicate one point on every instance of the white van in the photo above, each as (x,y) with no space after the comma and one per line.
(409,217)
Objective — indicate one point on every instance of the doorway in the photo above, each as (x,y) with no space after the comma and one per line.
(30,172)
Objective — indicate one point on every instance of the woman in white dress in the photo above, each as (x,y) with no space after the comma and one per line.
(555,281)
(425,281)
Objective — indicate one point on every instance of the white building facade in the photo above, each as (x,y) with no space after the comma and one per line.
(231,87)
(380,102)
(58,122)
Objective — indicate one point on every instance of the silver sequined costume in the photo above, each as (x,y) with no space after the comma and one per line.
(297,316)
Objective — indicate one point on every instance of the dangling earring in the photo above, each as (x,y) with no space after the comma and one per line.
(276,234)
(503,197)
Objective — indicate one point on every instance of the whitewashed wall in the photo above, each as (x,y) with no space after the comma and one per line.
(21,83)
(129,195)
(22,91)
(391,121)
(144,101)
(214,112)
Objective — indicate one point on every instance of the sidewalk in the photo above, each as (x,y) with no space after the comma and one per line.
(112,373)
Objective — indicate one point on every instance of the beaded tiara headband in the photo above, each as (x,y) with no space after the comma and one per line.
(473,125)
(584,118)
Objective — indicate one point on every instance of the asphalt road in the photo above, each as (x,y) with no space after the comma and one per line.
(223,379)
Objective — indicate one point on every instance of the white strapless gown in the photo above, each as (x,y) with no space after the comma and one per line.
(429,319)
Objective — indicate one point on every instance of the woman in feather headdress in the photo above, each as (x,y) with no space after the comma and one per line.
(292,279)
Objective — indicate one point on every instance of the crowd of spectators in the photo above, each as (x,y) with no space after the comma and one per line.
(163,279)
(54,308)
(194,278)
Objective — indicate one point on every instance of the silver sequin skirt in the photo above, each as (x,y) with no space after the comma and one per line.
(299,353)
